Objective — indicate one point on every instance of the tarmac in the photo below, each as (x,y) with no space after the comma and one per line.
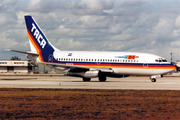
(64,82)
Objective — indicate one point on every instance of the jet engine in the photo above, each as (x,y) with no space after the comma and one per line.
(84,74)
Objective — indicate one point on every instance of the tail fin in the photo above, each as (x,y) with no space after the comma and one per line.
(38,42)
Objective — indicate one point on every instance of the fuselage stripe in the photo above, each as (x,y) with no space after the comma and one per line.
(120,65)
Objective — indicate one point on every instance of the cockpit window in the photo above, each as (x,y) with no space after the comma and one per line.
(160,60)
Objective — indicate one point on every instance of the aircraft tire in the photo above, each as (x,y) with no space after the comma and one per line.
(153,80)
(102,78)
(86,79)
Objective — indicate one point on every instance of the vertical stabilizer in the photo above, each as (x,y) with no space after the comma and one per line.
(38,42)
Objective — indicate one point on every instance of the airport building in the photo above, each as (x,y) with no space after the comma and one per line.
(15,66)
(24,67)
(178,66)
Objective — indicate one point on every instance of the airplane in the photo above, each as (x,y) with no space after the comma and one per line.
(92,64)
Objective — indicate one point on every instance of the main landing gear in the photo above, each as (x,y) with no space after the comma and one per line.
(86,79)
(101,79)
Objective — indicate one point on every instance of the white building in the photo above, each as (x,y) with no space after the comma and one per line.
(14,66)
(178,66)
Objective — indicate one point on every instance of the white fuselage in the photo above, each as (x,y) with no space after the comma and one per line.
(127,63)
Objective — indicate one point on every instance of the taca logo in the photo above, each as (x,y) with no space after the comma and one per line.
(38,36)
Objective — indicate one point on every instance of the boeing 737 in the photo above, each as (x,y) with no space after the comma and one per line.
(87,65)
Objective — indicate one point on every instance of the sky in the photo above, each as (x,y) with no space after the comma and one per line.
(148,26)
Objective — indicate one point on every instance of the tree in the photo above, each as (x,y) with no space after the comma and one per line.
(15,58)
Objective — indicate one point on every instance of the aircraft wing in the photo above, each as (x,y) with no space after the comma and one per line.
(78,67)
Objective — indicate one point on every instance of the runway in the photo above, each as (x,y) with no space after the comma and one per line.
(131,83)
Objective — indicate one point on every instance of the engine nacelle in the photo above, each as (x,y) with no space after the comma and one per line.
(91,74)
(86,74)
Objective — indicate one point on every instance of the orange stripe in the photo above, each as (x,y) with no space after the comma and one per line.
(35,46)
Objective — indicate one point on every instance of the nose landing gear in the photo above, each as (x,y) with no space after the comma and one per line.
(153,78)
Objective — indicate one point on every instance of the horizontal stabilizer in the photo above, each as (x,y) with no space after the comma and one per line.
(22,52)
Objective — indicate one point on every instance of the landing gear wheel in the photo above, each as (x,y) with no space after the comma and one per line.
(102,78)
(86,79)
(153,79)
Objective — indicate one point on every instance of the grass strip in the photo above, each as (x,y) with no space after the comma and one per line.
(89,104)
